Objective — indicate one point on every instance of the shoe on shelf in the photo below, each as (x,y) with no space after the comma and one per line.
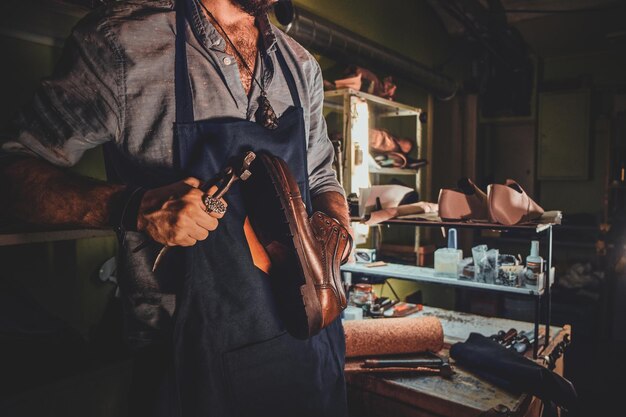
(509,204)
(464,203)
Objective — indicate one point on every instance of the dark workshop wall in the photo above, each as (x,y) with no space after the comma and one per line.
(576,51)
(604,73)
(61,276)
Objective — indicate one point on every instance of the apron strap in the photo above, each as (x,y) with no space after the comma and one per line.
(184,100)
(291,83)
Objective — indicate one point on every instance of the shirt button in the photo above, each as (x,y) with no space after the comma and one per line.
(227,60)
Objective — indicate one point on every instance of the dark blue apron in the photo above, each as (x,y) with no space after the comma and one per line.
(232,355)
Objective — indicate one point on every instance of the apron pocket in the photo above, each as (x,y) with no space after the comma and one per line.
(277,377)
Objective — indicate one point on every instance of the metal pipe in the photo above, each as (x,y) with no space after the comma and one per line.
(341,45)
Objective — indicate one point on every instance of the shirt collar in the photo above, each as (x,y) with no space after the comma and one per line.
(267,33)
(206,32)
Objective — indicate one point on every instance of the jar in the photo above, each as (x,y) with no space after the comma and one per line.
(362,295)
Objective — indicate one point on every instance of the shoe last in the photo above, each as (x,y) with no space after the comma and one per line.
(467,202)
(509,204)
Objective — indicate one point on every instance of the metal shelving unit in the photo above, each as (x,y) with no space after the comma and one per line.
(381,113)
(420,274)
(344,101)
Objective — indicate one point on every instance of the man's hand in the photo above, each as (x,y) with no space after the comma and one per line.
(174,215)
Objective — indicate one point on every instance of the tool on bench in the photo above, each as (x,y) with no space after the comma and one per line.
(380,305)
(238,169)
(509,337)
(523,341)
(520,342)
(503,337)
(435,364)
(406,363)
(557,352)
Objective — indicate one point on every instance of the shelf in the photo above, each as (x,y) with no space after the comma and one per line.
(548,220)
(421,274)
(393,171)
(380,106)
(359,113)
(23,238)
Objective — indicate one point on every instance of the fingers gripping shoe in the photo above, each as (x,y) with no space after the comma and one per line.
(305,252)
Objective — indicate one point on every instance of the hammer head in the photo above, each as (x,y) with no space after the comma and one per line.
(446,370)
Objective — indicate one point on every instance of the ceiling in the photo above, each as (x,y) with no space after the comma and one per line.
(554,27)
(602,27)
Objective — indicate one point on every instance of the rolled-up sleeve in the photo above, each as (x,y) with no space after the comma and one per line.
(322,177)
(79,106)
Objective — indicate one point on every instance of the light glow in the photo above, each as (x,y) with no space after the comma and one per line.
(360,146)
(360,178)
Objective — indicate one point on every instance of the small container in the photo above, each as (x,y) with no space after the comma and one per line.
(362,295)
(509,271)
(358,154)
(534,264)
(447,259)
(364,255)
(489,270)
(465,269)
(353,313)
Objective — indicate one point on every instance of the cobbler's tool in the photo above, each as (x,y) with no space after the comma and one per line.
(339,162)
(504,338)
(403,363)
(509,336)
(557,352)
(238,169)
(523,341)
(430,366)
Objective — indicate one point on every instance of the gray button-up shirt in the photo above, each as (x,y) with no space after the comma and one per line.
(115,83)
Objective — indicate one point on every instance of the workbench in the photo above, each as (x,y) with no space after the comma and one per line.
(463,395)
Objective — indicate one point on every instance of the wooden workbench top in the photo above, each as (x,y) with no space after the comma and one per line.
(464,394)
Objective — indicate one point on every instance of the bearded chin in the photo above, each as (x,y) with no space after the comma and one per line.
(254,7)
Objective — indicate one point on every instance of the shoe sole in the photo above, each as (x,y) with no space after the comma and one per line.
(294,285)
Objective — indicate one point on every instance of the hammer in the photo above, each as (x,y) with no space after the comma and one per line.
(436,364)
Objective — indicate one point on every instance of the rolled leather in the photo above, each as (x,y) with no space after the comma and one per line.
(392,336)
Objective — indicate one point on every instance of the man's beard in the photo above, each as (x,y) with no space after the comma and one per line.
(254,7)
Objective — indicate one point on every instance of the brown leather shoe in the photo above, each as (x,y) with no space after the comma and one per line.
(509,204)
(305,253)
(465,203)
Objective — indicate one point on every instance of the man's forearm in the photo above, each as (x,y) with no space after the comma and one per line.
(335,205)
(35,191)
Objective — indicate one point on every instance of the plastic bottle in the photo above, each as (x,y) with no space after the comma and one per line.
(447,259)
(534,264)
(358,154)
